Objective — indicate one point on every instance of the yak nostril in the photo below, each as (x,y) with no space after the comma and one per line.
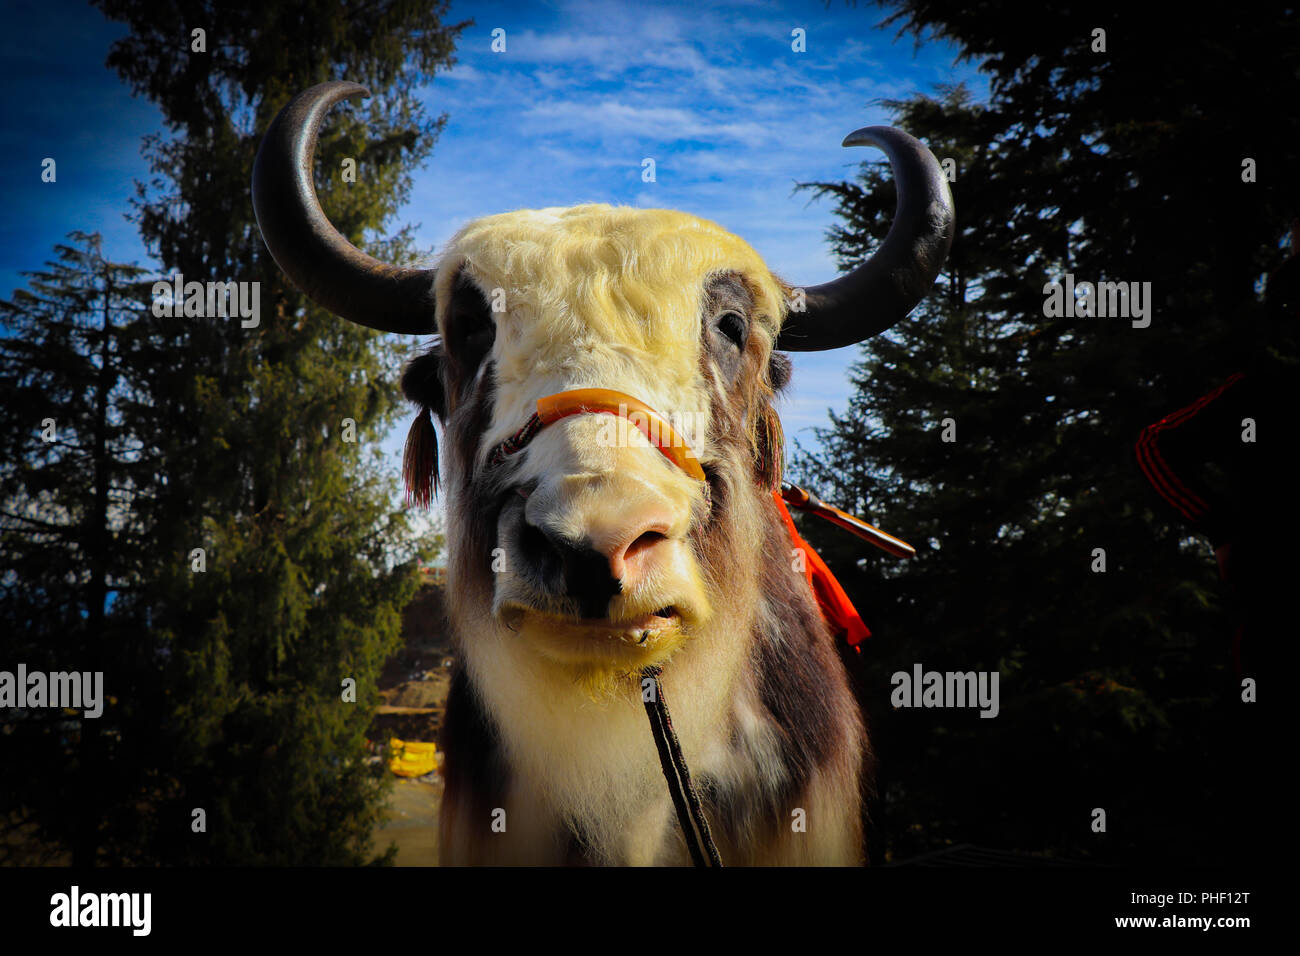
(625,561)
(587,579)
(647,540)
(571,568)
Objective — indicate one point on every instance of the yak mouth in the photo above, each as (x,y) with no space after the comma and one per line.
(639,630)
(625,638)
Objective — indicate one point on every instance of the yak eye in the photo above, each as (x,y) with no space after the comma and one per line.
(480,340)
(471,343)
(732,325)
(470,329)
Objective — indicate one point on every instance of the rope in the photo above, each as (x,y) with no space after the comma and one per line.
(690,814)
(516,441)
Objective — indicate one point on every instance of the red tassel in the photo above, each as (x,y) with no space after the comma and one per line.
(835,605)
(420,461)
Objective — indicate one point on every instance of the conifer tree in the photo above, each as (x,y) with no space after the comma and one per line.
(998,438)
(271,586)
(74,386)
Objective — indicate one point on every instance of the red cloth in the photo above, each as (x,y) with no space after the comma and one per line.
(1174,454)
(834,603)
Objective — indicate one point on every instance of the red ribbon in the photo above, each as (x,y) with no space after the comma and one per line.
(834,603)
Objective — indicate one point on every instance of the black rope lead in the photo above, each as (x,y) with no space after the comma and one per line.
(690,814)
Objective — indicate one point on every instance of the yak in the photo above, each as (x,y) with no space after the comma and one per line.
(593,563)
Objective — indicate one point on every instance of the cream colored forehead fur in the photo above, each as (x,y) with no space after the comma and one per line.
(602,290)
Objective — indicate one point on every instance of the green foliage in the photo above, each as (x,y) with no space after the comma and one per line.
(1124,166)
(75,375)
(232,700)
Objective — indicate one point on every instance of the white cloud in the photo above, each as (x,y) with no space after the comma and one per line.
(665,124)
(731,115)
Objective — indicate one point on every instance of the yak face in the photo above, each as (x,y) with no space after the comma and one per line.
(589,544)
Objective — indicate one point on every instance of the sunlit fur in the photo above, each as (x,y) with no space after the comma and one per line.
(557,736)
(601,294)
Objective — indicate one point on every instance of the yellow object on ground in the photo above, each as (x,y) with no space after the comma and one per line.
(412,758)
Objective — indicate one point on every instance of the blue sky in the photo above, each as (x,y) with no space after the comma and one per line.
(585,91)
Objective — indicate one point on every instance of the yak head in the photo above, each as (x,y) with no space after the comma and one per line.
(599,543)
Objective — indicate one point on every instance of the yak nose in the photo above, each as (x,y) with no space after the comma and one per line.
(591,570)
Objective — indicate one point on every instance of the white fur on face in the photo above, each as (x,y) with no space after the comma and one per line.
(603,297)
(598,297)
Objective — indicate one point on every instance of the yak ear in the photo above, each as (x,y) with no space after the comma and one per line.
(422,384)
(422,381)
(769,438)
(779,370)
(769,448)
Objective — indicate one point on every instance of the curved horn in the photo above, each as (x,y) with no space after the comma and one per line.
(887,286)
(334,273)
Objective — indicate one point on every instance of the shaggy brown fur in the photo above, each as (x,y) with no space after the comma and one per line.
(550,762)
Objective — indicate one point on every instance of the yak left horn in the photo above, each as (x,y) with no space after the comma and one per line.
(321,262)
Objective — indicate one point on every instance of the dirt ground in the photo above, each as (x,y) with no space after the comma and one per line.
(412,810)
(412,822)
(414,686)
